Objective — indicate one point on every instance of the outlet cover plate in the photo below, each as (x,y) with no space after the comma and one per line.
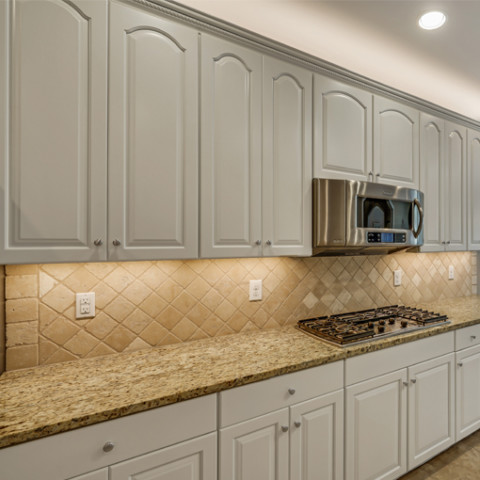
(85,305)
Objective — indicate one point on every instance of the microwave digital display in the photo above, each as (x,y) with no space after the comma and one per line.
(386,237)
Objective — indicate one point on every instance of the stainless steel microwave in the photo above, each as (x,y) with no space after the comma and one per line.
(353,217)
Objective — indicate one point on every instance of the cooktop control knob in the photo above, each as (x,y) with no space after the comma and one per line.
(404,323)
(381,328)
(382,322)
(370,325)
(391,320)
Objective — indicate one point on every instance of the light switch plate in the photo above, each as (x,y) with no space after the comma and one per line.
(397,278)
(85,305)
(451,272)
(255,290)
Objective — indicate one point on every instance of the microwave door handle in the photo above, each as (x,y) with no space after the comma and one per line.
(416,232)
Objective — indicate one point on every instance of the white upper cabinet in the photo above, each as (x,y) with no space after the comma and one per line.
(432,165)
(346,118)
(53,88)
(473,189)
(395,143)
(342,130)
(153,146)
(287,159)
(231,82)
(455,186)
(443,181)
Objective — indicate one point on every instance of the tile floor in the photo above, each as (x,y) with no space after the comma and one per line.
(460,462)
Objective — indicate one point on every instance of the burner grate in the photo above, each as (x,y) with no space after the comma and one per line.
(354,327)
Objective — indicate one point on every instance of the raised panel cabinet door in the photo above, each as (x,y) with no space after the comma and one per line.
(395,143)
(431,409)
(432,181)
(153,129)
(231,106)
(468,392)
(375,429)
(191,460)
(316,438)
(456,183)
(97,475)
(342,130)
(256,449)
(287,159)
(53,94)
(473,190)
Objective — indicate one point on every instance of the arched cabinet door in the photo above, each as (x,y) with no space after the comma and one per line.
(432,178)
(395,146)
(53,91)
(287,159)
(473,189)
(455,184)
(342,130)
(231,112)
(153,128)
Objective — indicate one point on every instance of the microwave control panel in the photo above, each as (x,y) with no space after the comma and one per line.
(386,237)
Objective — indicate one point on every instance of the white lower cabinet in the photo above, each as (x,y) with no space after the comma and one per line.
(305,439)
(174,442)
(399,419)
(192,460)
(256,449)
(431,409)
(468,391)
(287,427)
(316,439)
(376,414)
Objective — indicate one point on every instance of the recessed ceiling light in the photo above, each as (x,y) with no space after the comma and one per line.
(432,20)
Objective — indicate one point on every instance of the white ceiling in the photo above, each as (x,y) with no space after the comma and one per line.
(379,39)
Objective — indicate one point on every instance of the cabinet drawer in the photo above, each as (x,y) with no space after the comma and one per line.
(390,359)
(467,337)
(252,400)
(73,453)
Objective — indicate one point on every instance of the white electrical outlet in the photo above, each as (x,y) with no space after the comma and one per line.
(85,305)
(397,278)
(255,290)
(451,272)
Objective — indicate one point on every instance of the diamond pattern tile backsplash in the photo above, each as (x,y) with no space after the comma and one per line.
(145,304)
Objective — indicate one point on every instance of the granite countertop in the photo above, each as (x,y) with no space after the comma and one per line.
(44,400)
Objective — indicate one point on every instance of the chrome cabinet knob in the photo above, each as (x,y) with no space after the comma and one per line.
(297,423)
(284,428)
(448,242)
(268,242)
(414,380)
(108,447)
(116,243)
(473,337)
(460,364)
(405,384)
(258,242)
(98,242)
(291,391)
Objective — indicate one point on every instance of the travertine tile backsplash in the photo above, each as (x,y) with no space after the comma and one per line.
(144,304)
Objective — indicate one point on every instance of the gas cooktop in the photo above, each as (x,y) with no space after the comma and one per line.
(354,327)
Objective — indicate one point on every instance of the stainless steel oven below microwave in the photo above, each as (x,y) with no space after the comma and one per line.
(352,217)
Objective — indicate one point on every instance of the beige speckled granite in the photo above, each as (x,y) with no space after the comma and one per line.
(41,401)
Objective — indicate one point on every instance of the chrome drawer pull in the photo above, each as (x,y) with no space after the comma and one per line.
(291,391)
(414,380)
(405,384)
(284,428)
(473,337)
(460,364)
(297,423)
